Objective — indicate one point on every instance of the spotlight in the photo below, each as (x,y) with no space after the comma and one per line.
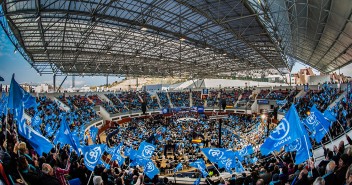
(108,52)
(144,28)
(182,39)
(308,113)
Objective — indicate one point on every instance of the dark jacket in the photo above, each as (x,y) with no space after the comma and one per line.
(48,179)
(330,179)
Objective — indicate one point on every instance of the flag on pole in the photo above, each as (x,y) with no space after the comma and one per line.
(64,135)
(288,130)
(146,150)
(92,155)
(150,169)
(19,97)
(317,124)
(200,165)
(248,150)
(329,115)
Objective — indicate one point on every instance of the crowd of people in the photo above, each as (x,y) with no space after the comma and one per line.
(180,99)
(175,136)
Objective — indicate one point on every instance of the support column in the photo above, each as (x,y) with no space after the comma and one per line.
(107,81)
(54,82)
(73,81)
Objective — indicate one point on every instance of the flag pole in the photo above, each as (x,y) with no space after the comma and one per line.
(216,168)
(90,177)
(305,140)
(341,126)
(276,157)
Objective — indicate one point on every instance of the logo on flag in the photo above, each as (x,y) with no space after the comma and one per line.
(216,153)
(243,151)
(92,156)
(149,166)
(281,131)
(295,145)
(148,151)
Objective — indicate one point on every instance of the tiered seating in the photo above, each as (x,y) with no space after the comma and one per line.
(118,105)
(246,94)
(197,99)
(278,94)
(152,103)
(263,94)
(231,97)
(83,109)
(131,100)
(109,108)
(96,100)
(212,98)
(164,101)
(179,99)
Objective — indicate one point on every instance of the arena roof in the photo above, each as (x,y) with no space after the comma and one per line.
(198,38)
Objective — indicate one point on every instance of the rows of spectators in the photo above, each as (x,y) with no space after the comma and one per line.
(175,146)
(164,100)
(197,99)
(118,105)
(180,99)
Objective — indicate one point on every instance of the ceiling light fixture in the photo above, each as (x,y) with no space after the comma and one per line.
(182,39)
(108,52)
(144,28)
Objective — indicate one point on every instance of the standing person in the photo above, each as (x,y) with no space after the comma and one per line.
(144,105)
(60,173)
(223,103)
(48,175)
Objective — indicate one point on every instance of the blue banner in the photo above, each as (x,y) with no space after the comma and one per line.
(146,150)
(92,155)
(288,130)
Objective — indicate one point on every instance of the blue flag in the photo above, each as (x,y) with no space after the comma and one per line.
(146,150)
(19,97)
(302,147)
(253,160)
(64,135)
(329,115)
(20,120)
(200,165)
(248,150)
(117,155)
(150,169)
(288,130)
(35,139)
(36,120)
(317,124)
(238,166)
(38,141)
(214,154)
(178,167)
(197,182)
(93,133)
(110,150)
(92,155)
